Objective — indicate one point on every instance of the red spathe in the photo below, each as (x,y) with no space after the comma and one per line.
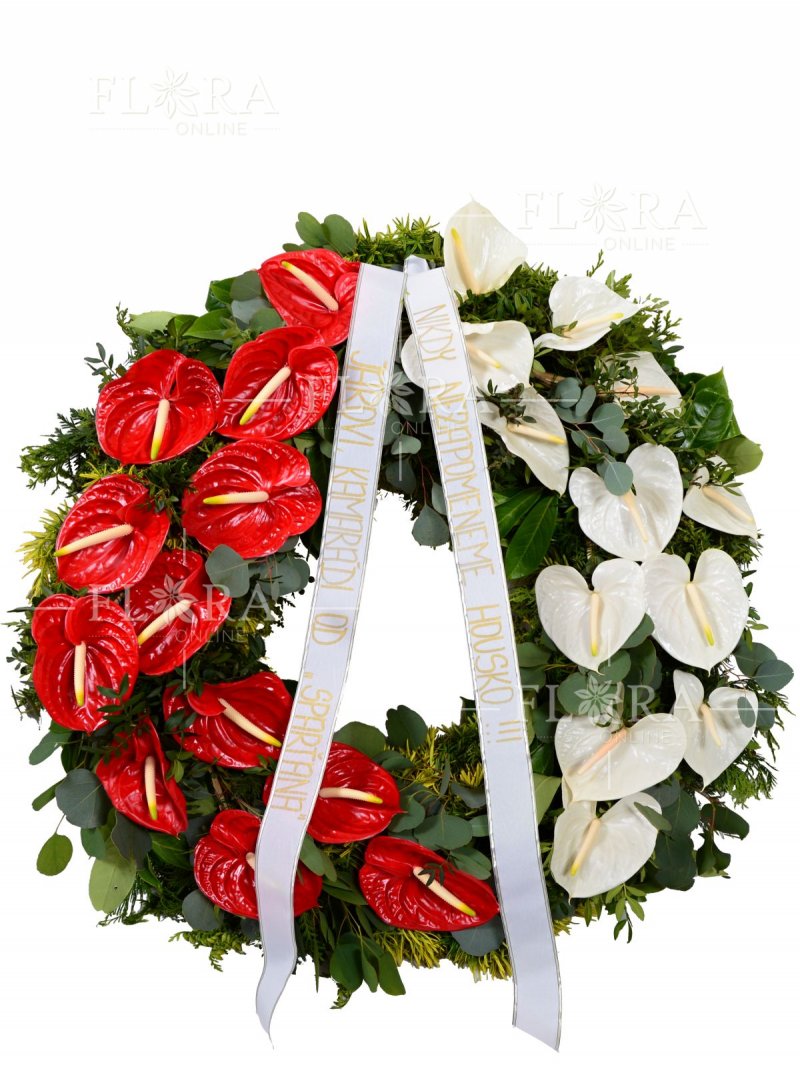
(298,305)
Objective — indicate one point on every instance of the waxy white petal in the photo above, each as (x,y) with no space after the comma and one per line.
(651,380)
(480,254)
(635,529)
(500,352)
(632,759)
(548,460)
(591,305)
(715,735)
(622,844)
(678,628)
(718,507)
(564,603)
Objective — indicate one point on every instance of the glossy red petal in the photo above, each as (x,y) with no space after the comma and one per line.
(123,778)
(60,624)
(298,402)
(175,578)
(399,898)
(224,875)
(336,820)
(295,302)
(262,699)
(252,529)
(127,408)
(107,567)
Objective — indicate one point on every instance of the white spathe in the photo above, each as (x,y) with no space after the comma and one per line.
(620,844)
(630,759)
(640,524)
(549,460)
(715,733)
(500,352)
(651,380)
(697,620)
(718,507)
(591,305)
(480,254)
(576,618)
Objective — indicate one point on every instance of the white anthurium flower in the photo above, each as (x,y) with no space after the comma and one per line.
(592,855)
(589,625)
(650,380)
(639,524)
(480,254)
(603,763)
(584,310)
(543,444)
(699,619)
(718,506)
(500,352)
(715,732)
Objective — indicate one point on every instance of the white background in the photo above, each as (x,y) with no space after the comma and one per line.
(684,117)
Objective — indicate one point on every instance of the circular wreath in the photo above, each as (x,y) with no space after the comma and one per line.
(191,506)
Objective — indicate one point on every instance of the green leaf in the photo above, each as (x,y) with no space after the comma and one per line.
(545,788)
(111,880)
(369,971)
(654,817)
(340,234)
(683,812)
(404,726)
(54,855)
(741,454)
(199,912)
(310,230)
(616,440)
(608,417)
(151,321)
(409,819)
(674,858)
(616,668)
(172,850)
(346,963)
(389,976)
(472,797)
(132,840)
(430,528)
(348,893)
(444,831)
(568,392)
(49,744)
(228,571)
(571,693)
(750,655)
(44,798)
(317,861)
(746,713)
(479,824)
(530,543)
(479,940)
(247,286)
(708,419)
(640,634)
(437,499)
(473,862)
(511,512)
(724,821)
(94,843)
(531,655)
(406,445)
(212,326)
(774,675)
(618,477)
(265,319)
(82,799)
(367,739)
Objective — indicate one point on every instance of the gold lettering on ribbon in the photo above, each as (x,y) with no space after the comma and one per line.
(302,749)
(494,674)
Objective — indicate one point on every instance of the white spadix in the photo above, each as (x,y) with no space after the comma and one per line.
(343,792)
(584,310)
(719,507)
(162,415)
(254,496)
(604,763)
(592,855)
(480,254)
(699,619)
(590,625)
(113,533)
(542,443)
(498,352)
(150,786)
(313,286)
(428,879)
(160,622)
(715,732)
(640,523)
(274,383)
(249,727)
(79,674)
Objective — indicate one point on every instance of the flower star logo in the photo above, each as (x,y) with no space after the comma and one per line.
(174,593)
(175,95)
(602,210)
(599,700)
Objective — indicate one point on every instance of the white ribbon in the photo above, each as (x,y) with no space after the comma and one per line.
(514,837)
(352,491)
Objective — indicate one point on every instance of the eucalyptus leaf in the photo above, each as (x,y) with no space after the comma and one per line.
(111,880)
(199,912)
(618,477)
(132,840)
(82,798)
(54,855)
(247,286)
(608,417)
(430,528)
(479,940)
(228,571)
(774,675)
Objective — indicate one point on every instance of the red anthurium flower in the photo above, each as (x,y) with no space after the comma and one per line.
(136,780)
(163,406)
(174,610)
(85,643)
(111,536)
(237,724)
(224,861)
(278,385)
(313,288)
(357,799)
(251,496)
(409,886)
